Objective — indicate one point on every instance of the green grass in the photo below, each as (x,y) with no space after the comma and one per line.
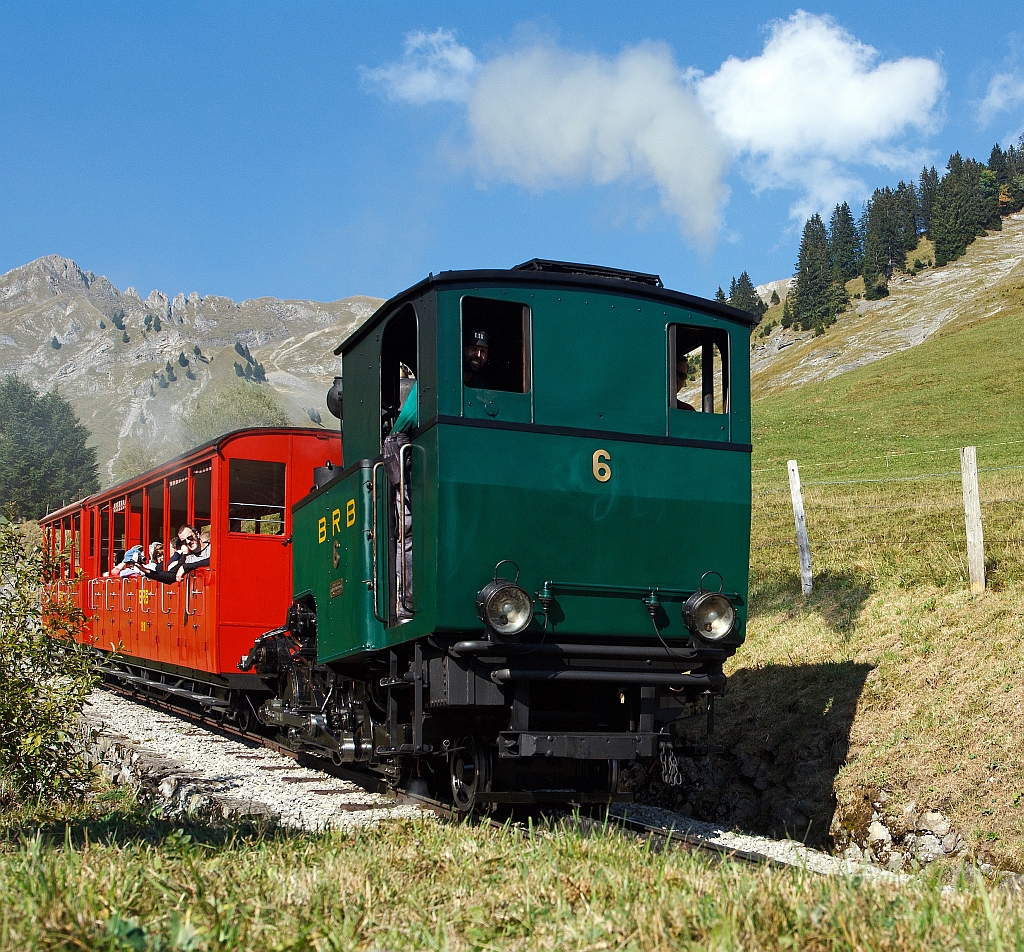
(111,877)
(891,661)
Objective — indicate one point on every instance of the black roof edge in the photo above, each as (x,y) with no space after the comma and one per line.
(544,278)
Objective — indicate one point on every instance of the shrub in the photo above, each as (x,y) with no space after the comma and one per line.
(46,678)
(236,406)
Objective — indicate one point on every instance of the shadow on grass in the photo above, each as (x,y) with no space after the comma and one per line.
(784,734)
(838,598)
(787,731)
(95,822)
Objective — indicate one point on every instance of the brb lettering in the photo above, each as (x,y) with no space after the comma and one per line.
(350,520)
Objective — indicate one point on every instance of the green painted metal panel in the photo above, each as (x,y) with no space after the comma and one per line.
(667,515)
(335,524)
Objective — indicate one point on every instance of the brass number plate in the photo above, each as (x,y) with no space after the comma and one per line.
(602,471)
(337,587)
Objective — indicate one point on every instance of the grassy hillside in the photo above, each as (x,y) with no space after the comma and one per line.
(891,684)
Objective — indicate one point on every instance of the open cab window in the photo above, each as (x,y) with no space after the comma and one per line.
(496,364)
(698,382)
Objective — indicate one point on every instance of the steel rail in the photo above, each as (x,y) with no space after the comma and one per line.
(444,811)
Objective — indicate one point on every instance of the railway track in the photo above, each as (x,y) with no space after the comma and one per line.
(667,829)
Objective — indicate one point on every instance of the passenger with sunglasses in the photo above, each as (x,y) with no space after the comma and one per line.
(189,554)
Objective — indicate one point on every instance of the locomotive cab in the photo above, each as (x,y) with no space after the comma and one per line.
(578,512)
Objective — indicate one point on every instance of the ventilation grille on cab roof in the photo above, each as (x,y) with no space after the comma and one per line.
(593,270)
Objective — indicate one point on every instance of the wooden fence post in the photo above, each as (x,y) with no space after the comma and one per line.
(802,543)
(972,517)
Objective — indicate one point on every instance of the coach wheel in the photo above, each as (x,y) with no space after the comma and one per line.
(243,719)
(470,768)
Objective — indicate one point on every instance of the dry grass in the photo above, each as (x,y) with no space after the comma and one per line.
(125,881)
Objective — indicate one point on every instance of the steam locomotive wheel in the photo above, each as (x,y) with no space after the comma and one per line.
(470,769)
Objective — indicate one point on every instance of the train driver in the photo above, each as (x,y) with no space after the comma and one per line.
(682,372)
(474,361)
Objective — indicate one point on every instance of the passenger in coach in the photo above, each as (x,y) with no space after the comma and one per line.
(156,555)
(188,555)
(130,564)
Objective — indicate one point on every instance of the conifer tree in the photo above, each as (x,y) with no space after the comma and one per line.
(844,245)
(744,297)
(787,313)
(927,187)
(44,460)
(54,343)
(720,295)
(775,298)
(813,276)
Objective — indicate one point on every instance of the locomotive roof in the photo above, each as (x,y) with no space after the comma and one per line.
(182,459)
(544,273)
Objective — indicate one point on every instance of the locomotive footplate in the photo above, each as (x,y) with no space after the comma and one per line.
(599,745)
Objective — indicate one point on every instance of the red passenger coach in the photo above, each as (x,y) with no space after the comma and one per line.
(186,638)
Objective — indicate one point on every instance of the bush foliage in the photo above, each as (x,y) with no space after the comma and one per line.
(46,678)
(232,408)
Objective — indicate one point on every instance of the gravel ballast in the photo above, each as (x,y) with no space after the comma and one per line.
(193,770)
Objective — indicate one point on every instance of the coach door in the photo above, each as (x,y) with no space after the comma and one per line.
(197,630)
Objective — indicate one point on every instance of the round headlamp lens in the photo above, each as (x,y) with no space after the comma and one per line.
(507,608)
(709,615)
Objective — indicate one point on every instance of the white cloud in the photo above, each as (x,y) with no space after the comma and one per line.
(1005,92)
(435,68)
(813,104)
(543,117)
(816,100)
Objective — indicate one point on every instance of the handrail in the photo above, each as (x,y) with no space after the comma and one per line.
(125,590)
(403,581)
(373,540)
(93,585)
(163,606)
(106,594)
(145,594)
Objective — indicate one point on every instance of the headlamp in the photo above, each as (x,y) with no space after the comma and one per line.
(503,606)
(709,615)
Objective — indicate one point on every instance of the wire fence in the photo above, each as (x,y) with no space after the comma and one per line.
(894,515)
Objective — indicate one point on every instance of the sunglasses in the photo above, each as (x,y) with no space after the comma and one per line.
(187,540)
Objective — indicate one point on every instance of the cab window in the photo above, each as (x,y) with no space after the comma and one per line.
(495,345)
(256,497)
(698,369)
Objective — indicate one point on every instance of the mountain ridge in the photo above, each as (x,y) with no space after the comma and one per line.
(62,325)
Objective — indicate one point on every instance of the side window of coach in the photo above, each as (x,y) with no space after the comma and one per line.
(256,497)
(698,369)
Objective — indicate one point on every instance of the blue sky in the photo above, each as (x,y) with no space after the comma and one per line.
(320,150)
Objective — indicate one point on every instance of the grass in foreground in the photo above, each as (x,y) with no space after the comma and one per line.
(108,876)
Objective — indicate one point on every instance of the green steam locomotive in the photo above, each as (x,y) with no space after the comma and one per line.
(534,557)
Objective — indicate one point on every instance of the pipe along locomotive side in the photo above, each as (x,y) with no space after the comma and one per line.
(577,506)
